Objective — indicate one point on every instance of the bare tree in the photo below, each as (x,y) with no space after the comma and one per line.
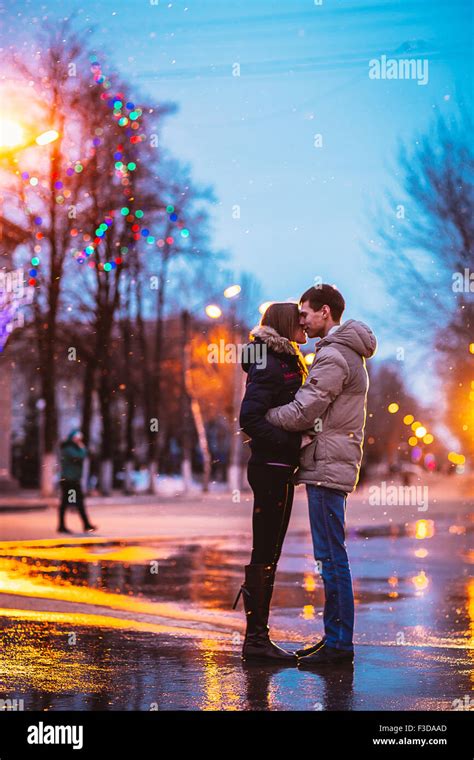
(182,229)
(427,228)
(46,194)
(424,252)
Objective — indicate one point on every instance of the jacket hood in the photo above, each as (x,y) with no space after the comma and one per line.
(356,335)
(274,341)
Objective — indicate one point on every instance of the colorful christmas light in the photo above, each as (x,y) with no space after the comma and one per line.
(127,115)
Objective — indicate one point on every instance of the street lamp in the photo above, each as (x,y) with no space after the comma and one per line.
(234,476)
(14,137)
(11,133)
(47,137)
(232,291)
(213,311)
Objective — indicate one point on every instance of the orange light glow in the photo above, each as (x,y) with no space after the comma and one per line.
(309,582)
(421,553)
(424,529)
(420,581)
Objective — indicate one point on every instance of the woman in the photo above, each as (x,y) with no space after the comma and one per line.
(276,371)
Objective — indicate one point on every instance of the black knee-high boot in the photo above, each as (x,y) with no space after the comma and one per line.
(257,593)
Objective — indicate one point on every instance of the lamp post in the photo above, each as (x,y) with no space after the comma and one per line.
(186,448)
(12,139)
(40,405)
(234,474)
(190,408)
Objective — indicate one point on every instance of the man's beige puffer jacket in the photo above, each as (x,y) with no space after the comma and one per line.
(332,403)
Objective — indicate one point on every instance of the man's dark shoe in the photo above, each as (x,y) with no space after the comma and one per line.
(310,650)
(62,529)
(90,528)
(324,656)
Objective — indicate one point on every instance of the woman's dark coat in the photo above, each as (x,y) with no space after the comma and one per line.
(270,383)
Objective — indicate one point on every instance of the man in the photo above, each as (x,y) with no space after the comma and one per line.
(332,404)
(73,454)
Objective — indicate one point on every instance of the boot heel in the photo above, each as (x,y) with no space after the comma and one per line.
(242,590)
(237,598)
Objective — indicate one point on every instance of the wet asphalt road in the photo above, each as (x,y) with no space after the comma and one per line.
(91,624)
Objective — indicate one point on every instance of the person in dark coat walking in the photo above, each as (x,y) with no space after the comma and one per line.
(73,455)
(275,372)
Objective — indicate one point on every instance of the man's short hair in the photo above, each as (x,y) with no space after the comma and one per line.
(325,294)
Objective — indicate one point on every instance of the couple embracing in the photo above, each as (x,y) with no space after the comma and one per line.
(304,427)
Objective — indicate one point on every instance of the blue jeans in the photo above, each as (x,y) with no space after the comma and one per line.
(327,515)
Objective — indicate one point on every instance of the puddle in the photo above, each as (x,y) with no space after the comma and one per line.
(97,624)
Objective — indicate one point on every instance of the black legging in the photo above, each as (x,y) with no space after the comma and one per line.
(273,499)
(72,489)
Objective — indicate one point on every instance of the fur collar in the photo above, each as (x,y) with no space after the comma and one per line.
(273,340)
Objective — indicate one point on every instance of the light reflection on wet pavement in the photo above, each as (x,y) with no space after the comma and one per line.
(147,623)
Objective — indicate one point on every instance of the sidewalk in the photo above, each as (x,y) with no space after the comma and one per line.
(445,496)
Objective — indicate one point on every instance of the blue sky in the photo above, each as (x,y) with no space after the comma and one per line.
(304,210)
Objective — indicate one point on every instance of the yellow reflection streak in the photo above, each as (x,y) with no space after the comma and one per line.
(309,582)
(470,609)
(24,585)
(96,621)
(219,694)
(135,554)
